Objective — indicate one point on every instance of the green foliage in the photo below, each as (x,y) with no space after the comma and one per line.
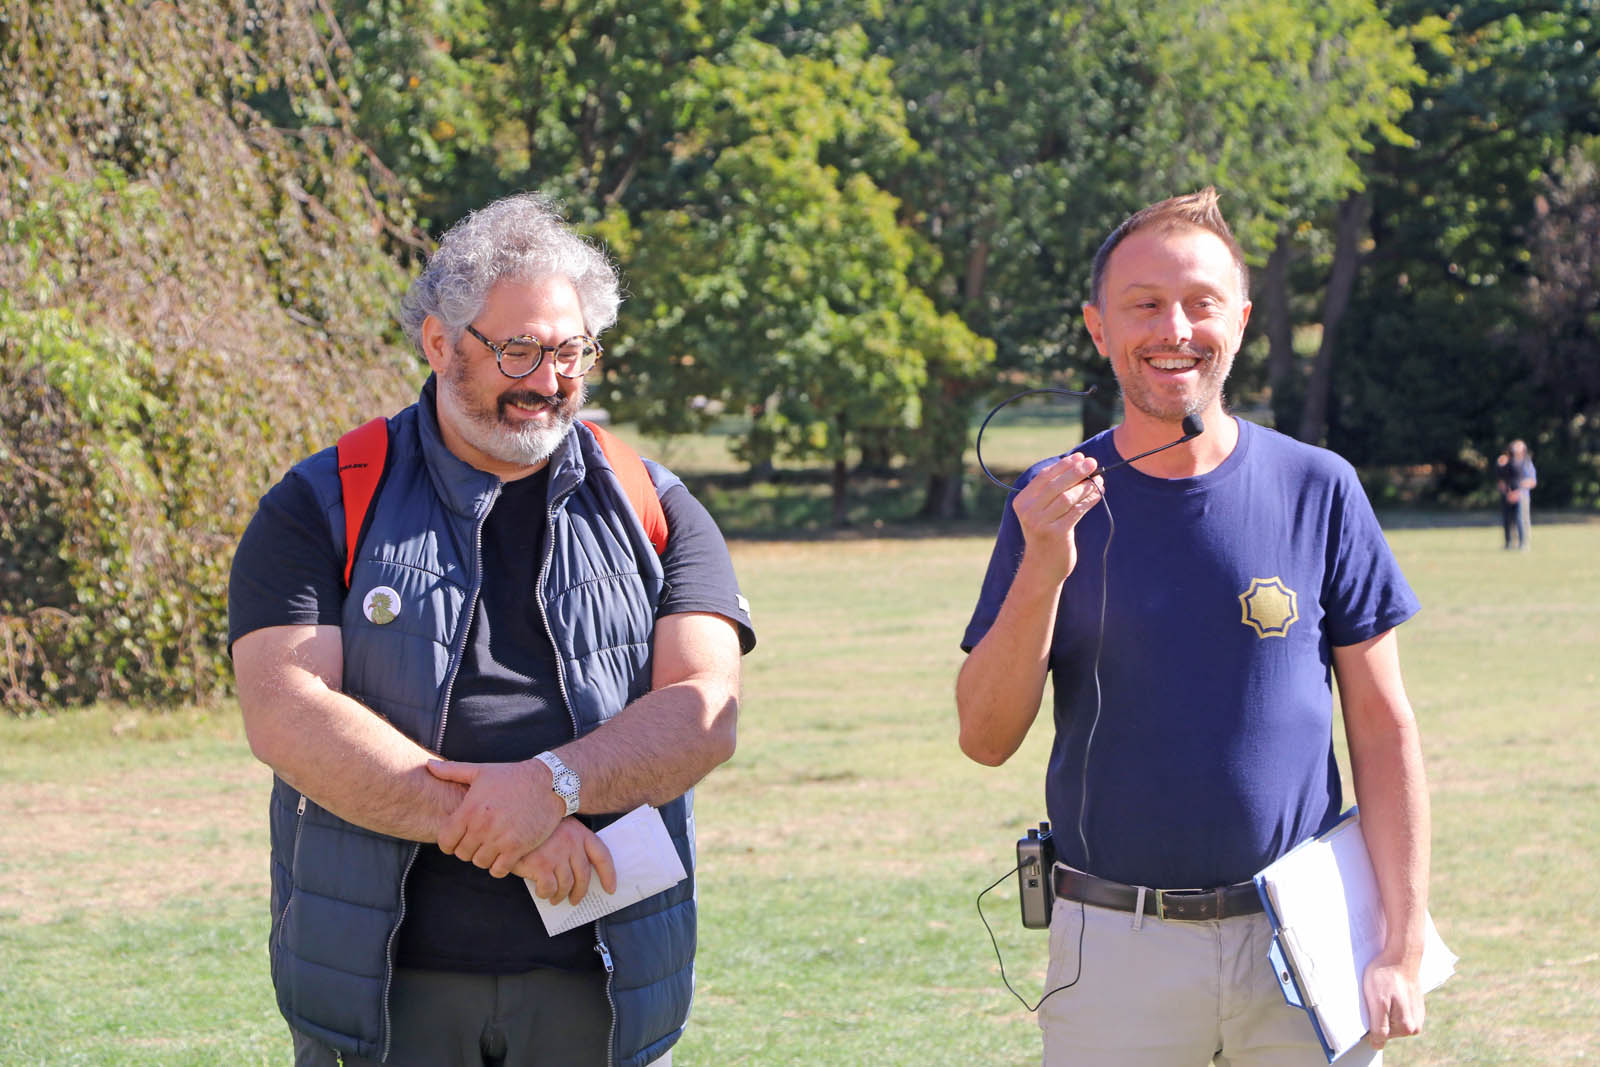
(781,285)
(1042,129)
(1442,357)
(193,299)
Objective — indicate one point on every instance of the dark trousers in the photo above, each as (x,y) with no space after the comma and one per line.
(444,1019)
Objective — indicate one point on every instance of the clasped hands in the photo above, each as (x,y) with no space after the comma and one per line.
(511,822)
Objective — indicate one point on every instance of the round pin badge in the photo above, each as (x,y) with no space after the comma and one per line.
(381,605)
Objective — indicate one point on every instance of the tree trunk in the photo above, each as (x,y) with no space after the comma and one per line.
(1099,408)
(1353,215)
(1280,328)
(841,481)
(942,498)
(977,269)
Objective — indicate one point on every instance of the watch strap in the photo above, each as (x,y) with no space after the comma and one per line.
(563,780)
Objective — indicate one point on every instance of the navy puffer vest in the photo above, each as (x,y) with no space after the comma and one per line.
(337,889)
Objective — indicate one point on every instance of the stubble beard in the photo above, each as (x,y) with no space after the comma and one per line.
(486,428)
(1214,368)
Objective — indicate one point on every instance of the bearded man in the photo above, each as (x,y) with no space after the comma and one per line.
(503,664)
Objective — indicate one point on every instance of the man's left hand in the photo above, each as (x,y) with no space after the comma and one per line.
(1394,1002)
(509,811)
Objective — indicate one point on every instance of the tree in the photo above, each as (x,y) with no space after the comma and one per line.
(1041,130)
(1429,367)
(781,285)
(1562,348)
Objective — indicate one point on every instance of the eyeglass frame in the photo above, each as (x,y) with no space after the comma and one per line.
(499,350)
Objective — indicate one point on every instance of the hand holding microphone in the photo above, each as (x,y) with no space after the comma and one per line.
(1049,507)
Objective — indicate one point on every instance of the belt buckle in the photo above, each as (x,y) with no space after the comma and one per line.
(1179,896)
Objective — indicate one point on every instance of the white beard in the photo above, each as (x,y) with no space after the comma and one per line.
(483,427)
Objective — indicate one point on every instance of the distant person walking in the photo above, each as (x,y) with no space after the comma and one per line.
(1515,478)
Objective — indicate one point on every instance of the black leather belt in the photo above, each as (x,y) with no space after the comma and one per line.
(1184,905)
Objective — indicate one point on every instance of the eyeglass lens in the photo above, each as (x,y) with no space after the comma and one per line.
(573,357)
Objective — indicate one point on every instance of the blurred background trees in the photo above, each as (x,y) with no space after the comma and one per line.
(846,228)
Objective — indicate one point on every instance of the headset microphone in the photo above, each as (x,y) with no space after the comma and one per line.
(1193,426)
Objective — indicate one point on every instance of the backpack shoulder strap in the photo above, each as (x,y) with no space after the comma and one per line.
(363,453)
(636,482)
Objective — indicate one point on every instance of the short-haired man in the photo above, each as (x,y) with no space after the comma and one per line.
(1191,608)
(512,665)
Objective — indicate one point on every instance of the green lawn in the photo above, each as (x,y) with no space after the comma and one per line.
(844,845)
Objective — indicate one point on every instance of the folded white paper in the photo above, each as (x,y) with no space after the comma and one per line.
(646,864)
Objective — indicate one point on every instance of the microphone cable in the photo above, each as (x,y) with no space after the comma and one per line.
(1083,922)
(1083,776)
(1193,426)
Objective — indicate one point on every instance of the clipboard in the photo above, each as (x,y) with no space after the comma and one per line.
(1327,923)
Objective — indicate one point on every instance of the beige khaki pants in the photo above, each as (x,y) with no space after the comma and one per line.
(1172,994)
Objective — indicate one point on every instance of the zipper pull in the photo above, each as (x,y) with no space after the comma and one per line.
(605,955)
(300,809)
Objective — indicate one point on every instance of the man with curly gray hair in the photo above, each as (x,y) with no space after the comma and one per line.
(527,633)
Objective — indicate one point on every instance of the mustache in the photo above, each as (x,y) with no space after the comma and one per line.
(532,399)
(1190,351)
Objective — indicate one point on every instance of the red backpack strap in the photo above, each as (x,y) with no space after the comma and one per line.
(636,482)
(362,454)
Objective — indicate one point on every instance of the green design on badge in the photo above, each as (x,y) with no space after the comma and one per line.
(381,605)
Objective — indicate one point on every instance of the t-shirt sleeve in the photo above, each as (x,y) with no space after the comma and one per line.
(286,571)
(699,572)
(1366,593)
(1003,564)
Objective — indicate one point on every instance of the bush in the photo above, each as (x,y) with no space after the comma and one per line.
(193,299)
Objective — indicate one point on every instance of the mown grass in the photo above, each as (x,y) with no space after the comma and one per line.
(843,846)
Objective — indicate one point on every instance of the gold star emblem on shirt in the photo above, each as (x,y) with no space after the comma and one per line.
(1269,607)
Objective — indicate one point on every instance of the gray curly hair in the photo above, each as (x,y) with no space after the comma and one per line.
(521,237)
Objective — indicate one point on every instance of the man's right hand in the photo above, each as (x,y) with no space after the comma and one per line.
(508,812)
(563,865)
(1048,508)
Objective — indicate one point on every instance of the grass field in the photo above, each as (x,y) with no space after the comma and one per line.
(843,846)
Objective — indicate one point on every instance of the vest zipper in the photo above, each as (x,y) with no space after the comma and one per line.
(294,860)
(611,1001)
(566,701)
(544,616)
(463,626)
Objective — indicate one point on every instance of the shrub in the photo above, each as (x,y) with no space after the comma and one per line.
(193,299)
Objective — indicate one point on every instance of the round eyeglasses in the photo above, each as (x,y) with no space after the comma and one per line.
(519,357)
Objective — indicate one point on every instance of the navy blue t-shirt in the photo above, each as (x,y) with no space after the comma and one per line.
(1212,753)
(505,704)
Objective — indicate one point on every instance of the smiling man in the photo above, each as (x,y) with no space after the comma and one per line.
(1191,609)
(513,663)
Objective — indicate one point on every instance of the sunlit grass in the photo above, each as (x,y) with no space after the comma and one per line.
(843,846)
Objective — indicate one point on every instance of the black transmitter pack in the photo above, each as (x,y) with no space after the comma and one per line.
(1036,855)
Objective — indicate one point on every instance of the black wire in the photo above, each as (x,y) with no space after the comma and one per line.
(1083,804)
(1082,923)
(978,444)
(1099,696)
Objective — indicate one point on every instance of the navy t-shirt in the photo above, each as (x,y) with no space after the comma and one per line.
(505,705)
(1212,753)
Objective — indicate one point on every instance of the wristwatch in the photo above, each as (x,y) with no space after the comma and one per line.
(563,779)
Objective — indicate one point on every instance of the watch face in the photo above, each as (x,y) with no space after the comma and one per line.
(566,782)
